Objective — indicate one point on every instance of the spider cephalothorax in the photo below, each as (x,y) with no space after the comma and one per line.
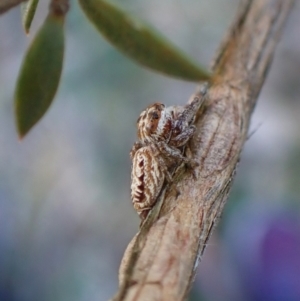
(154,123)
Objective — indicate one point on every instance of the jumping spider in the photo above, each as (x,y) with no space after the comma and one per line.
(163,133)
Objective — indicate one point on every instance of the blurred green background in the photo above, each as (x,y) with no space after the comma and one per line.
(65,210)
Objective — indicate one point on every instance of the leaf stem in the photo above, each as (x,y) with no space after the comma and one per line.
(59,7)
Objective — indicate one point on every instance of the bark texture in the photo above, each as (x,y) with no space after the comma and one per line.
(160,262)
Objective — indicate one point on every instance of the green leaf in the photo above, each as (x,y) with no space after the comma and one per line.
(28,9)
(140,42)
(40,74)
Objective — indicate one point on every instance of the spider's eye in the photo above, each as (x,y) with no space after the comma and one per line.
(155,116)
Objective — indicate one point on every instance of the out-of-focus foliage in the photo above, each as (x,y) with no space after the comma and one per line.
(141,42)
(28,9)
(65,210)
(42,65)
(40,74)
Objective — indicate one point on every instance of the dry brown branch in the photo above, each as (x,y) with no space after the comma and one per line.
(161,260)
(5,5)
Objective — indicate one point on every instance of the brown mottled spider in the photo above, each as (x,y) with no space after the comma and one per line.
(162,133)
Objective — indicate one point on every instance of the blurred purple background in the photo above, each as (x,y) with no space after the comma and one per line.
(65,211)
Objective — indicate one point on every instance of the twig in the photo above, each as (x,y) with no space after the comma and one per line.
(161,260)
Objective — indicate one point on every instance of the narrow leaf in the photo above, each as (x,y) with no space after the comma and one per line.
(40,74)
(28,9)
(140,42)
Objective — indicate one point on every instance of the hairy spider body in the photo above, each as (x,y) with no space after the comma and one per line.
(154,123)
(147,178)
(163,133)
